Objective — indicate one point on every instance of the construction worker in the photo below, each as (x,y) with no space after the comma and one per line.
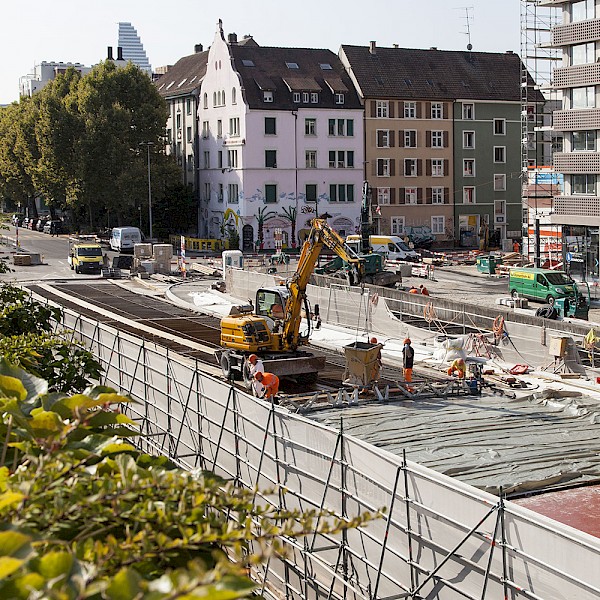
(377,364)
(270,383)
(255,365)
(413,290)
(408,360)
(458,367)
(516,247)
(424,290)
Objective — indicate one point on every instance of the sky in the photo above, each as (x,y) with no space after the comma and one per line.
(81,30)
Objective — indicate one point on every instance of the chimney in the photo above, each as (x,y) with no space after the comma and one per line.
(396,46)
(120,53)
(373,47)
(198,48)
(433,48)
(110,55)
(232,38)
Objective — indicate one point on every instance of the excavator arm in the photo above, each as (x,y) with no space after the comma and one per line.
(321,234)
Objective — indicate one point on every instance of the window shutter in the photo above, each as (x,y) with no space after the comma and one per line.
(373,108)
(428,110)
(379,137)
(446,195)
(419,195)
(401,193)
(418,110)
(446,167)
(428,196)
(428,139)
(428,167)
(445,139)
(391,138)
(401,138)
(392,167)
(419,167)
(391,111)
(445,110)
(392,195)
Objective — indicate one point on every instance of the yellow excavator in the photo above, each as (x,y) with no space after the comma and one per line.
(271,329)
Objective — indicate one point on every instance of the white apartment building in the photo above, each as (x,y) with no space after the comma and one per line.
(45,72)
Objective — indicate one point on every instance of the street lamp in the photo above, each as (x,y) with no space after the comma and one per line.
(148,144)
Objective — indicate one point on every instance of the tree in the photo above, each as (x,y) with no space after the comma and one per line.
(262,216)
(290,213)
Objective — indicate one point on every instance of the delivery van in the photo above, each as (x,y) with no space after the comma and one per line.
(544,285)
(391,246)
(122,239)
(85,257)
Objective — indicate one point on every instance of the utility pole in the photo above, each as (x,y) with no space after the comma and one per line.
(148,144)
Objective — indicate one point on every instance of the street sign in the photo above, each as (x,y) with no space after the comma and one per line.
(568,257)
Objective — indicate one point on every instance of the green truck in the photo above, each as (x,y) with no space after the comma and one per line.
(552,287)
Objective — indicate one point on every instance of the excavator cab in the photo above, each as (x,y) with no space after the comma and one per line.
(270,302)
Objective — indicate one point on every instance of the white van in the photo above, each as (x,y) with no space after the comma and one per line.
(391,246)
(122,239)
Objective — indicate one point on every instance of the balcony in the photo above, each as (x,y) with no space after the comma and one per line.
(577,206)
(578,76)
(576,33)
(576,120)
(577,162)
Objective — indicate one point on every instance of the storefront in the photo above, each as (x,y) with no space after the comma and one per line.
(580,247)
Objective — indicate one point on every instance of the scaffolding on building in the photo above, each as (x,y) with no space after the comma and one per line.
(538,139)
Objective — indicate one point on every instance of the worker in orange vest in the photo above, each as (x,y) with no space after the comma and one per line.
(270,383)
(424,290)
(458,367)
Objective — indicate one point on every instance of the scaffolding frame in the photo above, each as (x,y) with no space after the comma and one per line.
(437,539)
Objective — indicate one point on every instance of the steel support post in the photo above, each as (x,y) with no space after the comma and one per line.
(222,429)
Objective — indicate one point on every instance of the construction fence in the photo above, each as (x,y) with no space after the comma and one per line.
(437,539)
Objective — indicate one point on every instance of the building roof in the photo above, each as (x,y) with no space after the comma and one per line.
(287,70)
(184,77)
(435,74)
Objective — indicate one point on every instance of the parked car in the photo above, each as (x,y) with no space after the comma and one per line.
(53,227)
(31,224)
(17,220)
(39,226)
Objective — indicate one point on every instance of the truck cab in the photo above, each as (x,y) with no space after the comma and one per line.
(85,257)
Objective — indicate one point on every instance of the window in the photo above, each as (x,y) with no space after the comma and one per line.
(397,225)
(582,11)
(271,159)
(499,154)
(205,100)
(311,159)
(469,195)
(305,97)
(219,128)
(189,135)
(437,167)
(232,193)
(410,167)
(499,126)
(190,162)
(499,209)
(325,66)
(341,127)
(469,167)
(437,139)
(382,109)
(296,97)
(247,62)
(314,98)
(271,193)
(188,106)
(410,110)
(206,159)
(214,98)
(311,192)
(437,110)
(584,97)
(499,182)
(292,65)
(220,192)
(339,98)
(342,159)
(268,96)
(270,126)
(383,138)
(234,127)
(383,195)
(438,224)
(341,193)
(437,195)
(383,167)
(583,140)
(207,191)
(583,184)
(178,119)
(233,96)
(310,127)
(468,139)
(410,138)
(169,136)
(220,159)
(410,195)
(468,112)
(205,129)
(232,159)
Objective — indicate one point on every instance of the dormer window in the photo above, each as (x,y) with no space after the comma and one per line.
(247,62)
(325,67)
(292,65)
(268,96)
(314,98)
(297,97)
(305,97)
(339,98)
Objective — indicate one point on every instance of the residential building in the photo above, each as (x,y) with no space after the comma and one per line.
(442,132)
(45,72)
(133,49)
(577,208)
(180,87)
(281,141)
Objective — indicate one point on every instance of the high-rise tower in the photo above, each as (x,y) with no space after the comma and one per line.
(133,49)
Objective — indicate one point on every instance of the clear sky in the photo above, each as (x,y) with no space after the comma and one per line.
(81,30)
